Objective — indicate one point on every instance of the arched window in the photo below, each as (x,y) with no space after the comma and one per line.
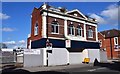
(79,30)
(55,27)
(90,33)
(36,29)
(71,29)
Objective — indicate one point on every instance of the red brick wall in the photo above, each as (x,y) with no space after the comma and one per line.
(101,37)
(36,17)
(106,44)
(75,24)
(118,40)
(61,27)
(108,48)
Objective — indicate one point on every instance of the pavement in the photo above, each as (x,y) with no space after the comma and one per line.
(113,67)
(55,68)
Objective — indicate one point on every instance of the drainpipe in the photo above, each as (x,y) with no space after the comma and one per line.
(47,30)
(111,48)
(47,19)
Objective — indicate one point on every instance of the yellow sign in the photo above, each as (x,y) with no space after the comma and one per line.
(86,60)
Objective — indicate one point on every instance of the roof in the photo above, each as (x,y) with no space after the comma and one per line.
(111,33)
(76,10)
(65,12)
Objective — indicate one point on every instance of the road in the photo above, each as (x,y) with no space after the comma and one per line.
(88,69)
(70,69)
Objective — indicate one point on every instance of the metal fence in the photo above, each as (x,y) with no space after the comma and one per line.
(7,57)
(11,57)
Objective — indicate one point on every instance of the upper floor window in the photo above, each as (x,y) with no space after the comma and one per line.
(115,40)
(79,30)
(71,29)
(100,42)
(90,33)
(36,29)
(55,27)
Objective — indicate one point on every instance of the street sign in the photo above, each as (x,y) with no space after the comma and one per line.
(49,51)
(31,51)
(68,43)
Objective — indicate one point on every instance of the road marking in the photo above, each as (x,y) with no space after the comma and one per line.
(96,69)
(101,68)
(92,70)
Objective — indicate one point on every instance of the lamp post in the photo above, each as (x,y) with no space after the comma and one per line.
(47,41)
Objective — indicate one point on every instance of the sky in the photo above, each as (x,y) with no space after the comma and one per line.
(16,22)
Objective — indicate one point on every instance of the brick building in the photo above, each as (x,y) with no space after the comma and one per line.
(110,41)
(59,25)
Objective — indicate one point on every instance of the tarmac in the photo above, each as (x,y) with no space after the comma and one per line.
(55,68)
(12,67)
(45,68)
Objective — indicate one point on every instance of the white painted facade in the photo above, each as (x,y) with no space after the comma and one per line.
(71,37)
(55,58)
(61,56)
(44,26)
(77,11)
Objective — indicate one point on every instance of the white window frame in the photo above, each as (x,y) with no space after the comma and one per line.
(90,31)
(115,40)
(79,29)
(72,32)
(54,25)
(36,29)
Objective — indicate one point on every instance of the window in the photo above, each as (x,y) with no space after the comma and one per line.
(75,14)
(71,29)
(90,33)
(55,27)
(79,31)
(116,40)
(36,29)
(100,42)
